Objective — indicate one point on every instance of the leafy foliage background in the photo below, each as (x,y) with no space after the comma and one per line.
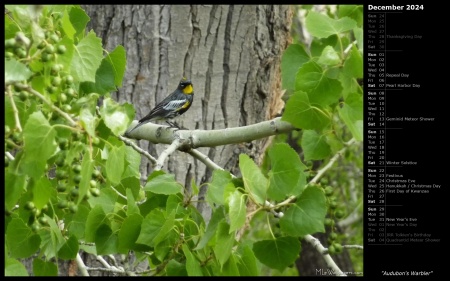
(71,183)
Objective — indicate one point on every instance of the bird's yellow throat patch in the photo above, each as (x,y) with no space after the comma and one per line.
(188,89)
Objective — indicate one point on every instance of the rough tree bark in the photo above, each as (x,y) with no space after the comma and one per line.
(231,53)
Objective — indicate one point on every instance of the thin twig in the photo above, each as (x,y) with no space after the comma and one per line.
(55,108)
(359,247)
(138,149)
(15,111)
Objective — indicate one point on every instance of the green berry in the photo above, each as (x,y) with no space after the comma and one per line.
(54,38)
(56,81)
(333,236)
(62,97)
(10,43)
(66,108)
(20,52)
(61,186)
(9,55)
(68,79)
(93,183)
(23,95)
(339,214)
(61,174)
(29,206)
(333,205)
(329,191)
(62,204)
(46,57)
(35,227)
(43,221)
(77,179)
(50,49)
(74,192)
(329,222)
(95,192)
(337,247)
(331,250)
(76,168)
(61,49)
(73,209)
(96,174)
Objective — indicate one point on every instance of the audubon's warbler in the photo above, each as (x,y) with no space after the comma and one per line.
(172,106)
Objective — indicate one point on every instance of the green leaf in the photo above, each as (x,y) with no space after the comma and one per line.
(278,253)
(115,116)
(216,187)
(42,192)
(286,176)
(106,200)
(39,144)
(21,241)
(52,239)
(255,182)
(87,166)
(314,81)
(329,56)
(70,249)
(359,35)
(224,242)
(302,114)
(14,268)
(352,114)
(87,58)
(355,12)
(166,246)
(43,268)
(132,163)
(129,233)
(77,226)
(165,228)
(67,26)
(95,218)
(118,60)
(79,19)
(89,121)
(315,146)
(104,80)
(192,264)
(115,164)
(293,58)
(14,187)
(230,268)
(164,184)
(16,71)
(247,262)
(322,26)
(131,203)
(238,210)
(217,217)
(307,215)
(175,268)
(65,59)
(353,65)
(105,240)
(151,226)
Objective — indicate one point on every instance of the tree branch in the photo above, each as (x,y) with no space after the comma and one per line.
(208,138)
(81,265)
(172,147)
(321,249)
